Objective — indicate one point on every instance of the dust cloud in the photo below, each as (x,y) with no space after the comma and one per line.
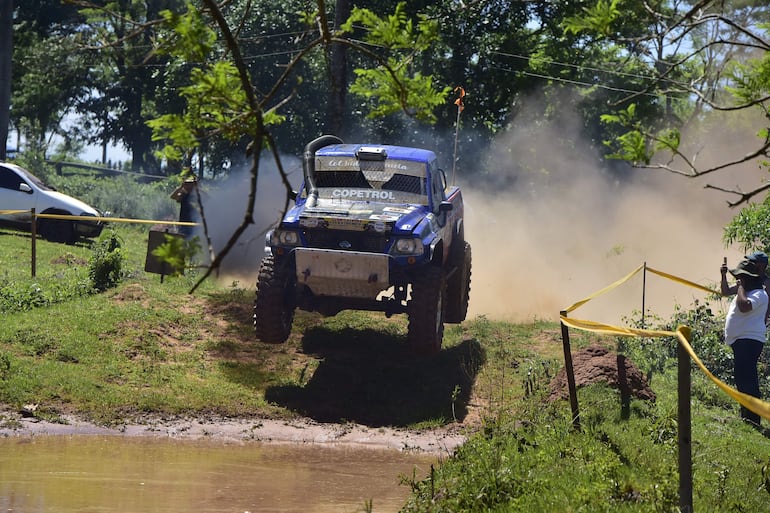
(568,231)
(557,233)
(225,205)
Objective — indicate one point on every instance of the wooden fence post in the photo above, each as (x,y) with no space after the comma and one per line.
(685,428)
(573,401)
(34,242)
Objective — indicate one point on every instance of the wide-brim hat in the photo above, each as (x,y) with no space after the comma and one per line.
(759,257)
(745,268)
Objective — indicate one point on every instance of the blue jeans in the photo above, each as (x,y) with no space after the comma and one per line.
(746,353)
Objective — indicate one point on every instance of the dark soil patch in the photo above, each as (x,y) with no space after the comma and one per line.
(597,364)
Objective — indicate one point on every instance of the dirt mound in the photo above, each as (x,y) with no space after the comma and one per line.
(597,364)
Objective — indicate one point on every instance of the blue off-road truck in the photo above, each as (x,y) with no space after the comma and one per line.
(373,227)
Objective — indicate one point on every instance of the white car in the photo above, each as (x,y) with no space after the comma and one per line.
(20,190)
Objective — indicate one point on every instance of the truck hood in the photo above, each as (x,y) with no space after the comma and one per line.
(361,216)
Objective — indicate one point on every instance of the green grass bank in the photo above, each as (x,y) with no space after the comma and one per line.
(147,347)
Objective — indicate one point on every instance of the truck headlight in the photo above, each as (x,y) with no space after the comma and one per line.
(285,238)
(408,247)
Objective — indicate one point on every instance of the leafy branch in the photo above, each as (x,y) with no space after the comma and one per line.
(221,99)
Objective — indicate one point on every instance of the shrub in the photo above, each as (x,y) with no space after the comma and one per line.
(106,265)
(176,252)
(122,196)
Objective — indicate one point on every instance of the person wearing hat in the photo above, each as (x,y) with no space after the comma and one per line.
(759,259)
(187,194)
(745,330)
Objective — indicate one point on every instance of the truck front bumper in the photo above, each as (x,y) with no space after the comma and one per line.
(350,274)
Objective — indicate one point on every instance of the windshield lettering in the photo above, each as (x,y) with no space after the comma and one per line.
(363,194)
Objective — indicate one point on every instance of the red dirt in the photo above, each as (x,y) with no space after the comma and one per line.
(596,364)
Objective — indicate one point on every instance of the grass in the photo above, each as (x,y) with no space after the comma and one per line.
(149,348)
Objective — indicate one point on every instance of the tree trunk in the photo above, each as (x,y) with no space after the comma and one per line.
(339,76)
(6,54)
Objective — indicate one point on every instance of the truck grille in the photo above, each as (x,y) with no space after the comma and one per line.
(346,240)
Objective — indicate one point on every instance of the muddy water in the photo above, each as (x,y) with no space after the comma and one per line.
(69,474)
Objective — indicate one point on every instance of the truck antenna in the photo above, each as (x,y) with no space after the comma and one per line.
(460,106)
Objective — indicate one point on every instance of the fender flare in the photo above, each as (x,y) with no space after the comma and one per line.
(436,250)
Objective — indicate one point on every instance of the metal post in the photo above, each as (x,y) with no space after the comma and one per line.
(685,430)
(34,243)
(573,401)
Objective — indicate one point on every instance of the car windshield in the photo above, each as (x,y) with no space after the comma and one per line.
(392,181)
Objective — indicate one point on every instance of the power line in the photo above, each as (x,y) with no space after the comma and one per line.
(582,67)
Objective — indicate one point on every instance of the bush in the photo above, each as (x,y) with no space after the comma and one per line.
(122,196)
(106,265)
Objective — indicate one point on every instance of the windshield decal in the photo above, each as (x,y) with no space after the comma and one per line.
(363,194)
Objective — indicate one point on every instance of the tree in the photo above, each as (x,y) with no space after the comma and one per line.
(694,61)
(47,72)
(6,53)
(47,83)
(127,76)
(710,62)
(223,102)
(338,75)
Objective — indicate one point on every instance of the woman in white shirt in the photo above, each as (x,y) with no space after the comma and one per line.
(745,330)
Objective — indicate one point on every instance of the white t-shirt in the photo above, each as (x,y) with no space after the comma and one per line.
(749,324)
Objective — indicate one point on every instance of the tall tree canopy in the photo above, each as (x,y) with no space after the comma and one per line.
(641,76)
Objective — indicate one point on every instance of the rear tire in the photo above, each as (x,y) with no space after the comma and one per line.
(426,312)
(459,285)
(274,302)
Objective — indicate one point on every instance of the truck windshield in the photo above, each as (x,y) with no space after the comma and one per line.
(389,181)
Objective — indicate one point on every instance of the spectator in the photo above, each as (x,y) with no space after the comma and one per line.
(745,330)
(759,259)
(186,194)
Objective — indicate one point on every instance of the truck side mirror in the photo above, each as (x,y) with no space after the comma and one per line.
(445,206)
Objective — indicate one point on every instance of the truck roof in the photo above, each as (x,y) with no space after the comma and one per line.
(393,152)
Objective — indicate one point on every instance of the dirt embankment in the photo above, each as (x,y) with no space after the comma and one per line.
(361,392)
(297,431)
(592,364)
(360,388)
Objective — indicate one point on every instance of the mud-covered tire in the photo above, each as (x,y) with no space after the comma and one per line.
(274,303)
(459,285)
(426,312)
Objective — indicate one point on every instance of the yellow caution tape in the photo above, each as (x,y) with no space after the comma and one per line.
(114,219)
(683,281)
(682,334)
(605,289)
(754,404)
(101,219)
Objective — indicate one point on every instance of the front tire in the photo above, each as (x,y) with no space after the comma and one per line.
(274,302)
(459,285)
(426,312)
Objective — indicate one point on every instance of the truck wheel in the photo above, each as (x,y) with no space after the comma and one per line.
(274,302)
(426,312)
(459,285)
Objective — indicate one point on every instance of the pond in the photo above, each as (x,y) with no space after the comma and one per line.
(87,473)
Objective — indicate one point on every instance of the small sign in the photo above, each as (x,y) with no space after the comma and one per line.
(153,264)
